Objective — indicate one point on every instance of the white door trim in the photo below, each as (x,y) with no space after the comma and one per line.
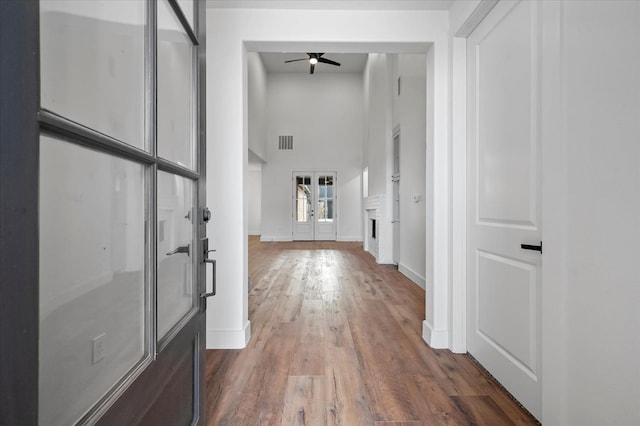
(459,199)
(458,315)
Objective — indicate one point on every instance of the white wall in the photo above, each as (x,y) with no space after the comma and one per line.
(377,150)
(410,114)
(254,198)
(323,113)
(239,30)
(257,105)
(385,111)
(600,188)
(257,133)
(378,127)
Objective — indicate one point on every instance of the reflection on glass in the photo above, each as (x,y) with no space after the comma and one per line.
(175,250)
(92,304)
(92,64)
(325,199)
(176,141)
(187,9)
(303,198)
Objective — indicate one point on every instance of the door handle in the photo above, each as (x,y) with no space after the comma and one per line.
(203,296)
(181,249)
(212,262)
(213,278)
(532,247)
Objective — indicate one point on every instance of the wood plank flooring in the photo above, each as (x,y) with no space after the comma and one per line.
(336,340)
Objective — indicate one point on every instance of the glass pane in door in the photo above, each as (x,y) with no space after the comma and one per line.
(92,65)
(187,9)
(175,272)
(303,199)
(325,199)
(92,277)
(176,106)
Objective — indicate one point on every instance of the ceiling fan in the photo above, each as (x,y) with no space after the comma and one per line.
(313,59)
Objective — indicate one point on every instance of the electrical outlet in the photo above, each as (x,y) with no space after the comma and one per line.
(98,348)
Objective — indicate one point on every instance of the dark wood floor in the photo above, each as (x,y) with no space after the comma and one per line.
(336,339)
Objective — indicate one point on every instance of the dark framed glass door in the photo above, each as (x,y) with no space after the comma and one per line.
(104,121)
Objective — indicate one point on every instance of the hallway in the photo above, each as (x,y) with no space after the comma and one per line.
(336,339)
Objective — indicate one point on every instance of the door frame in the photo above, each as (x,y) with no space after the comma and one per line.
(19,159)
(473,17)
(21,124)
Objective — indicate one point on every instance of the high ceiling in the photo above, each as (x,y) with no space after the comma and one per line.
(349,62)
(334,4)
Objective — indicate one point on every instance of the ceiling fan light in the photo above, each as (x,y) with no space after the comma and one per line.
(313,61)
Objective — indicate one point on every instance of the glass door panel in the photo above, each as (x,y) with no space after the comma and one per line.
(120,329)
(101,88)
(325,223)
(303,212)
(93,304)
(325,199)
(176,137)
(303,206)
(175,251)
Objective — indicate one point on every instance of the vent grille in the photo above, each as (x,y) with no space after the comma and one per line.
(285,142)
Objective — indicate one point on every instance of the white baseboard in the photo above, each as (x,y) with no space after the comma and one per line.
(436,339)
(412,275)
(349,239)
(229,339)
(268,238)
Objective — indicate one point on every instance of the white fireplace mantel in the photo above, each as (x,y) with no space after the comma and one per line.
(380,247)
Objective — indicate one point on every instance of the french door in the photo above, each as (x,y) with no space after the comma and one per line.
(504,257)
(107,119)
(314,206)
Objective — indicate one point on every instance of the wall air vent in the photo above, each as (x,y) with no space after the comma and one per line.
(285,142)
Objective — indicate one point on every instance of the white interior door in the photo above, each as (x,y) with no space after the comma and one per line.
(314,206)
(503,285)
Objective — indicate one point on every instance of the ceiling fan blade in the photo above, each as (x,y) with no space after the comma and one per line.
(296,60)
(328,61)
(312,69)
